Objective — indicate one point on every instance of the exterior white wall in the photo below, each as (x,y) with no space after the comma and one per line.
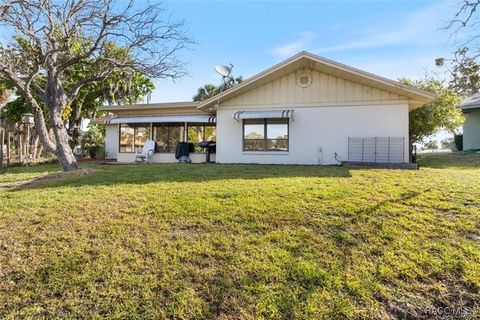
(314,128)
(111,141)
(471,130)
(165,157)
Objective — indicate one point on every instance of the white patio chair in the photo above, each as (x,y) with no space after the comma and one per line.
(146,154)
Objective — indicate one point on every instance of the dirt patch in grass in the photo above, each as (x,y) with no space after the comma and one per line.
(51,177)
(446,299)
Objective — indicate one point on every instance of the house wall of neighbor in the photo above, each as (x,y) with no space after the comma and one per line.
(471,130)
(315,134)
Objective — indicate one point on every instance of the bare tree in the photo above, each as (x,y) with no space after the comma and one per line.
(53,38)
(465,15)
(464,66)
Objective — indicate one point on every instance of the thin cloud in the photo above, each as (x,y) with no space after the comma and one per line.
(419,28)
(304,39)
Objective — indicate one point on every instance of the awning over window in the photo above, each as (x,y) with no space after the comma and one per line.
(262,114)
(201,118)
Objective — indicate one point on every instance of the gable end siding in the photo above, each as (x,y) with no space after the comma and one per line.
(325,88)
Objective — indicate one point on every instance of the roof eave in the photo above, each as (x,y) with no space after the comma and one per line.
(470,107)
(151,106)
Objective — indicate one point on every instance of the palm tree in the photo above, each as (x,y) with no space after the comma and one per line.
(210,90)
(206,92)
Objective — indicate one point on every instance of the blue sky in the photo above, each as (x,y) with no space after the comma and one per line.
(396,38)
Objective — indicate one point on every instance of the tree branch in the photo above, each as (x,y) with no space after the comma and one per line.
(37,110)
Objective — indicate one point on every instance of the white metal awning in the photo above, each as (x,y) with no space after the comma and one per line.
(200,118)
(263,114)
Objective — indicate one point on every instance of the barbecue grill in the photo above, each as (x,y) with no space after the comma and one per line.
(210,147)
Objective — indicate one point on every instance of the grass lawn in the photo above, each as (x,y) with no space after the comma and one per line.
(241,241)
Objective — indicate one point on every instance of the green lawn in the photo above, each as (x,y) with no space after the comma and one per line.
(241,241)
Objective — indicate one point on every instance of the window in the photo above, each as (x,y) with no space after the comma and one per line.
(133,136)
(277,135)
(201,132)
(265,135)
(127,132)
(142,134)
(168,135)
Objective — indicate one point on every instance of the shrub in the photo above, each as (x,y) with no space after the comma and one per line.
(93,143)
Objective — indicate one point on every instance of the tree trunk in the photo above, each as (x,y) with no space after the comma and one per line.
(8,148)
(64,152)
(74,133)
(39,150)
(41,128)
(2,140)
(35,147)
(20,147)
(74,125)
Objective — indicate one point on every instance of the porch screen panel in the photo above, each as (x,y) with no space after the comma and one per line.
(160,135)
(175,135)
(127,132)
(168,135)
(142,134)
(198,132)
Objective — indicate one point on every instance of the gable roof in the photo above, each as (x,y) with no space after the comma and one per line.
(416,97)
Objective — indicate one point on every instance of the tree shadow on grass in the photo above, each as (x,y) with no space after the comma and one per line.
(106,175)
(42,168)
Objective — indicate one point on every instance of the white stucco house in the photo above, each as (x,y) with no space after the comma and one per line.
(304,110)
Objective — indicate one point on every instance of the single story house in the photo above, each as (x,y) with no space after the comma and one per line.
(471,126)
(304,110)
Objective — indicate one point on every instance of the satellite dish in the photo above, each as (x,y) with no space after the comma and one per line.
(228,81)
(224,71)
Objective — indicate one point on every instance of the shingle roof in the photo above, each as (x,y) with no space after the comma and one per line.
(472,102)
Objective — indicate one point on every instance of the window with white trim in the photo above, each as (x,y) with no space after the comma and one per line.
(265,134)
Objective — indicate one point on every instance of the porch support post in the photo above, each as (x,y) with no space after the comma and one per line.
(185,134)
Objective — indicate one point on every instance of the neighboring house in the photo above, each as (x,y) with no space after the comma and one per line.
(471,126)
(305,110)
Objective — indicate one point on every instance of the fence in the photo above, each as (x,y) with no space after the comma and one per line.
(376,149)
